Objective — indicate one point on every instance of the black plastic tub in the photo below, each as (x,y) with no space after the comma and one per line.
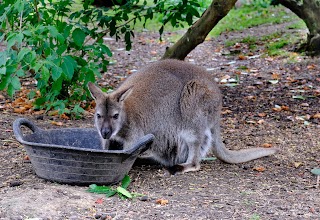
(75,155)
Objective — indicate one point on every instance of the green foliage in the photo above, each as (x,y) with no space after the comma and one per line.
(274,48)
(252,15)
(255,217)
(123,19)
(41,43)
(261,3)
(121,191)
(62,49)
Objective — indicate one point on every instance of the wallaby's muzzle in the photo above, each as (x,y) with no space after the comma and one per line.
(106,132)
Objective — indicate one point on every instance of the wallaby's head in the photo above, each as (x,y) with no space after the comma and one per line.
(109,113)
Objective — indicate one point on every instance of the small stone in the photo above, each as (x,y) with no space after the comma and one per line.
(245,167)
(15,183)
(144,198)
(38,187)
(39,117)
(270,211)
(104,216)
(170,194)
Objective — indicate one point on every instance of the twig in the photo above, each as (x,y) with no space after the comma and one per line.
(21,14)
(36,8)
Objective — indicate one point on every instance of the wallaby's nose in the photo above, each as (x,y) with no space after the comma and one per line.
(106,132)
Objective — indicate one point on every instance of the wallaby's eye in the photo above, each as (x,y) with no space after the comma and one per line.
(99,116)
(115,116)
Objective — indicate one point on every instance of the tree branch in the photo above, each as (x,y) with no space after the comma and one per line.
(198,32)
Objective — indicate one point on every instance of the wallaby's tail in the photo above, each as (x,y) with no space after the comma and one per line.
(237,156)
(242,156)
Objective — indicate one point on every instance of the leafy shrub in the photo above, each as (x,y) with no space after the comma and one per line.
(61,55)
(63,49)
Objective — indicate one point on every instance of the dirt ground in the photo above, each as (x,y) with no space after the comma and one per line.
(257,112)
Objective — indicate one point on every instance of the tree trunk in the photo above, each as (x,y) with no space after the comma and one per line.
(198,32)
(309,12)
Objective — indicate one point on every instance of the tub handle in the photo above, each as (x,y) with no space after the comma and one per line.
(23,122)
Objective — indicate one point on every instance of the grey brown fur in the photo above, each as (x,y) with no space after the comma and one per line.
(177,102)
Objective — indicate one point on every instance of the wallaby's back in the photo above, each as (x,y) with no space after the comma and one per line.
(158,88)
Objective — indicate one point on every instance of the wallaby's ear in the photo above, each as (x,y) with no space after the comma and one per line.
(95,91)
(121,96)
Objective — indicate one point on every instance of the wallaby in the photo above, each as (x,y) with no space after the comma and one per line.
(177,102)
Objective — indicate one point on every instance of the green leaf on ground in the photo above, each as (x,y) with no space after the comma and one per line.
(124,192)
(94,188)
(209,158)
(299,97)
(125,181)
(316,171)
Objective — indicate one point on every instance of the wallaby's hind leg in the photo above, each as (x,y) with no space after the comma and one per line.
(195,106)
(193,145)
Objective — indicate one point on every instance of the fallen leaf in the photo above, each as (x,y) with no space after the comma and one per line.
(277,108)
(273,81)
(307,117)
(266,145)
(312,210)
(296,68)
(227,111)
(275,76)
(242,57)
(270,59)
(297,164)
(311,67)
(237,45)
(53,113)
(57,123)
(99,201)
(253,70)
(26,158)
(251,97)
(262,114)
(225,78)
(162,201)
(304,104)
(40,112)
(290,79)
(317,115)
(259,169)
(64,116)
(20,110)
(285,108)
